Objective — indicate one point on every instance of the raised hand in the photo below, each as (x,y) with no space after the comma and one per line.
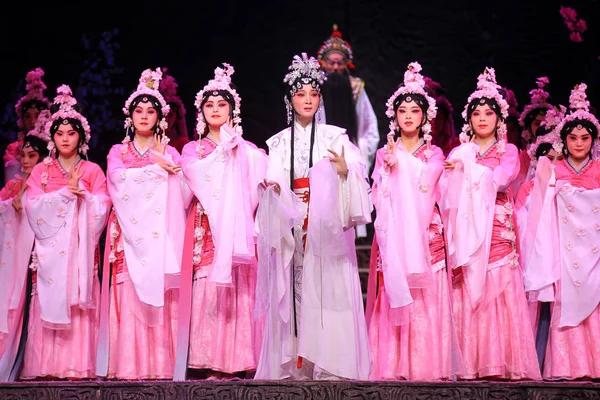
(265,184)
(158,144)
(339,161)
(390,158)
(73,181)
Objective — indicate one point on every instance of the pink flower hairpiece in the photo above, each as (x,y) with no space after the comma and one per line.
(39,130)
(149,84)
(65,101)
(579,109)
(414,83)
(539,100)
(487,87)
(553,117)
(35,91)
(221,81)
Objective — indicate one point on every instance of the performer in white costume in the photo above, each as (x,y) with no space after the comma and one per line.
(308,286)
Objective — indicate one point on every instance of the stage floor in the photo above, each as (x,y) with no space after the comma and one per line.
(258,390)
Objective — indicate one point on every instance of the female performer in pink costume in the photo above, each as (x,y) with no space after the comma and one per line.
(16,243)
(410,331)
(223,171)
(307,287)
(490,309)
(67,206)
(564,270)
(28,109)
(144,243)
(544,146)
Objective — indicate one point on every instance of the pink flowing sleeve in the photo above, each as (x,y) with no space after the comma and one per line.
(53,217)
(508,169)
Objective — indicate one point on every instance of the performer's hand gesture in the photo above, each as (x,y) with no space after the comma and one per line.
(339,161)
(161,148)
(16,203)
(158,144)
(73,182)
(390,158)
(266,184)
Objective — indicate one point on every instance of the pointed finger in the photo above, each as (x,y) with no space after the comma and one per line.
(333,152)
(343,150)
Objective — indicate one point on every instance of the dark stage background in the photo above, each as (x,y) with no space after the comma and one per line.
(102,52)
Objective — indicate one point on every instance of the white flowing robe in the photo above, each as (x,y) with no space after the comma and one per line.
(331,327)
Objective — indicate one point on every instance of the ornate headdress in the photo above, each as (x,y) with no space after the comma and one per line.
(414,83)
(35,91)
(336,43)
(303,71)
(486,88)
(221,81)
(148,85)
(39,130)
(65,101)
(539,100)
(551,120)
(580,109)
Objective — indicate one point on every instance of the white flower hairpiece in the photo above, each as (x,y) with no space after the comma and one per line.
(65,101)
(303,71)
(35,91)
(486,87)
(579,109)
(221,81)
(149,84)
(414,83)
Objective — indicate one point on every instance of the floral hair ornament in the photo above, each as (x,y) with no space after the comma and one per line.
(552,119)
(148,85)
(414,83)
(488,88)
(539,100)
(35,91)
(580,109)
(303,71)
(221,81)
(337,44)
(39,130)
(65,101)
